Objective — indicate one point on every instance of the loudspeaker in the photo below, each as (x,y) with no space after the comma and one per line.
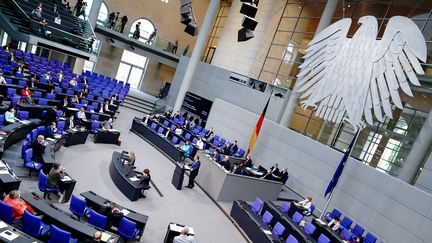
(191,28)
(248,10)
(185,19)
(244,34)
(184,2)
(249,23)
(186,9)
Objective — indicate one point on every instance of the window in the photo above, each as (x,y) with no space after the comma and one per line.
(103,14)
(131,69)
(165,1)
(33,49)
(88,66)
(146,28)
(5,38)
(87,9)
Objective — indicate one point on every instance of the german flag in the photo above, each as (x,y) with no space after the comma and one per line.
(255,133)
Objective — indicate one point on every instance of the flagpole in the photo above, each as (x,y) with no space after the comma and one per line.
(357,134)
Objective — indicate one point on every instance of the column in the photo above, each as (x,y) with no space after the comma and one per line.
(198,49)
(418,152)
(326,17)
(94,12)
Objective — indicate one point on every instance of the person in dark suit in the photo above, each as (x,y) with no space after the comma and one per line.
(51,115)
(70,123)
(275,170)
(284,175)
(234,146)
(248,162)
(237,169)
(268,176)
(64,103)
(144,179)
(38,147)
(209,134)
(226,163)
(51,130)
(114,217)
(194,171)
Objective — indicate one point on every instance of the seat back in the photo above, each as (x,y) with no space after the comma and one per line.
(187,136)
(28,155)
(41,130)
(24,147)
(61,126)
(346,222)
(42,181)
(42,101)
(94,125)
(160,130)
(97,219)
(297,217)
(34,134)
(2,120)
(59,113)
(309,228)
(278,230)
(175,140)
(94,117)
(31,224)
(77,206)
(267,217)
(38,94)
(284,207)
(291,239)
(211,150)
(23,115)
(58,235)
(153,126)
(166,123)
(369,238)
(126,228)
(50,96)
(358,230)
(346,235)
(323,239)
(6,212)
(257,206)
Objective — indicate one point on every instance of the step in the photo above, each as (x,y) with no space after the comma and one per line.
(9,12)
(139,106)
(139,100)
(137,109)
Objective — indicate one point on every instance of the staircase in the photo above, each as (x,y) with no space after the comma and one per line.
(15,17)
(137,103)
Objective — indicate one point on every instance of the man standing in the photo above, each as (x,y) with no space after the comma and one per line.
(194,171)
(184,237)
(124,20)
(137,34)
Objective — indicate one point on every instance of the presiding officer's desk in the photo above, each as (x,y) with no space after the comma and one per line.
(110,136)
(291,228)
(19,236)
(52,215)
(222,185)
(97,202)
(163,144)
(76,136)
(251,224)
(327,231)
(121,175)
(16,132)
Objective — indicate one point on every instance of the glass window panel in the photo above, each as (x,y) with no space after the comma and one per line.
(146,28)
(5,37)
(134,59)
(88,66)
(135,77)
(271,65)
(412,9)
(267,76)
(293,10)
(276,51)
(103,14)
(344,9)
(33,49)
(282,38)
(427,31)
(376,8)
(123,72)
(288,24)
(289,69)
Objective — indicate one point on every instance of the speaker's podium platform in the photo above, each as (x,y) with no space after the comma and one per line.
(178,176)
(175,230)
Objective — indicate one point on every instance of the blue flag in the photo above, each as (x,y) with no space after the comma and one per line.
(340,167)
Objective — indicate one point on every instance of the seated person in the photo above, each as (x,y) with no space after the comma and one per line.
(81,114)
(73,82)
(247,162)
(268,175)
(334,224)
(167,114)
(108,124)
(130,158)
(10,116)
(97,237)
(65,102)
(47,76)
(176,115)
(52,130)
(114,217)
(13,199)
(234,146)
(237,169)
(226,163)
(51,115)
(56,173)
(38,147)
(305,205)
(2,79)
(107,110)
(70,123)
(156,118)
(185,150)
(284,176)
(216,156)
(146,119)
(209,134)
(200,144)
(178,130)
(101,107)
(191,125)
(29,99)
(144,179)
(25,92)
(75,99)
(184,237)
(275,169)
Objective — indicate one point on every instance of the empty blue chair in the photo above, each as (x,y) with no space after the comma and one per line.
(346,223)
(215,142)
(358,230)
(201,134)
(160,130)
(323,239)
(240,153)
(278,230)
(69,92)
(24,147)
(187,136)
(61,127)
(94,126)
(21,82)
(11,92)
(216,137)
(333,214)
(42,101)
(194,140)
(174,139)
(309,228)
(8,80)
(32,225)
(94,117)
(59,113)
(267,217)
(42,185)
(173,127)
(97,219)
(297,217)
(38,94)
(257,206)
(2,121)
(15,100)
(291,239)
(127,229)
(50,96)
(166,123)
(153,126)
(6,212)
(78,106)
(369,238)
(284,207)
(58,235)
(78,206)
(41,130)
(57,90)
(346,235)
(23,115)
(211,150)
(84,102)
(29,163)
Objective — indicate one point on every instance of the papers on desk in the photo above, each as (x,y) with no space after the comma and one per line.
(112,130)
(133,179)
(4,171)
(66,178)
(57,136)
(73,109)
(3,225)
(8,235)
(321,222)
(267,232)
(105,237)
(125,212)
(50,139)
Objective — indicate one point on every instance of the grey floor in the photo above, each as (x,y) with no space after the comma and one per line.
(88,164)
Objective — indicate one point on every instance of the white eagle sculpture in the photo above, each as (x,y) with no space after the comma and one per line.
(343,78)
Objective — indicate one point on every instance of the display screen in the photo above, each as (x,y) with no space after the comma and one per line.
(197,105)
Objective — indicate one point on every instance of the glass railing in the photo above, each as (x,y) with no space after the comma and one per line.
(158,41)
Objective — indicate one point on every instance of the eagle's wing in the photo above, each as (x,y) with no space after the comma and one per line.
(395,62)
(315,74)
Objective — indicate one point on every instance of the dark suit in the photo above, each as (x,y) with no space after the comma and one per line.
(226,165)
(51,116)
(248,163)
(38,150)
(284,176)
(50,132)
(194,172)
(234,148)
(275,171)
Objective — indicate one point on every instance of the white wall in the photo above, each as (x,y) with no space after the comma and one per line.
(424,180)
(391,209)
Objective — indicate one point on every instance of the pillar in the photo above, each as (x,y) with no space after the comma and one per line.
(198,49)
(94,12)
(418,152)
(326,17)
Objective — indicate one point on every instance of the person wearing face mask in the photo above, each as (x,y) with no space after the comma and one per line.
(10,116)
